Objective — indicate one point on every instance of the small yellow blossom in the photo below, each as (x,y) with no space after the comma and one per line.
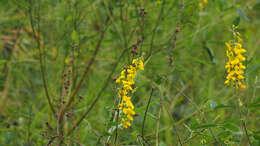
(234,66)
(141,65)
(203,3)
(126,80)
(125,123)
(242,86)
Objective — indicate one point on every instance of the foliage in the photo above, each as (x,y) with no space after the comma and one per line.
(59,61)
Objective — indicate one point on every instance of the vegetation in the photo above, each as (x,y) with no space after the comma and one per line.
(129,72)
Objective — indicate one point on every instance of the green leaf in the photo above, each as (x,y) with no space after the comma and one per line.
(235,120)
(224,133)
(253,105)
(210,53)
(231,127)
(206,126)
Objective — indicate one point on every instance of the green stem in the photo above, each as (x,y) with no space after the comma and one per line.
(146,110)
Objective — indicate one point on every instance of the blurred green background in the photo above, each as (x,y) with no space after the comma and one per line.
(183,47)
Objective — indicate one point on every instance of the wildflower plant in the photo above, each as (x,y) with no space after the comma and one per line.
(234,66)
(126,83)
(56,72)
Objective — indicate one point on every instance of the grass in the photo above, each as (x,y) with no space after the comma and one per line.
(59,61)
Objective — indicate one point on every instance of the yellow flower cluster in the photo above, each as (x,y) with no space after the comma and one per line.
(234,66)
(126,80)
(203,3)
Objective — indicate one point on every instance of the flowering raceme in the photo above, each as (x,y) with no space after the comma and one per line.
(126,81)
(234,66)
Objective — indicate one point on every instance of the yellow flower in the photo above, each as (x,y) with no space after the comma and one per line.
(242,86)
(130,118)
(125,123)
(118,80)
(201,5)
(227,82)
(141,65)
(134,61)
(234,66)
(126,81)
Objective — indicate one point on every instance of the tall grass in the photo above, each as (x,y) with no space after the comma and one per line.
(60,61)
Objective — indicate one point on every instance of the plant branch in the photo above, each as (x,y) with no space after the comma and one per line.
(86,71)
(146,110)
(40,53)
(99,94)
(155,28)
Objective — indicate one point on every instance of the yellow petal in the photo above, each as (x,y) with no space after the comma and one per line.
(242,86)
(227,82)
(141,65)
(118,80)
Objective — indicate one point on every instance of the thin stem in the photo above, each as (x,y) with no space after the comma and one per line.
(146,110)
(99,94)
(155,28)
(40,53)
(9,71)
(244,125)
(202,113)
(177,133)
(112,120)
(86,71)
(191,137)
(158,124)
(123,27)
(117,119)
(99,139)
